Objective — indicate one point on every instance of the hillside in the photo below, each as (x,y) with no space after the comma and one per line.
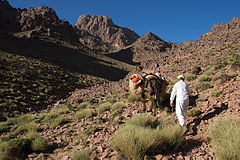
(62,97)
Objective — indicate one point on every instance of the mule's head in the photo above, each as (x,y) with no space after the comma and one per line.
(135,84)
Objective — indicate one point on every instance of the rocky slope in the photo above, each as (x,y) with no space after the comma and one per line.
(221,41)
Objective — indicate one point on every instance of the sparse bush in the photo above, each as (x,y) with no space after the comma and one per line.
(208,72)
(190,77)
(17,148)
(215,94)
(204,78)
(110,98)
(92,101)
(202,86)
(134,97)
(85,113)
(82,105)
(219,65)
(26,128)
(64,110)
(234,61)
(5,126)
(225,140)
(134,140)
(201,99)
(25,118)
(49,117)
(118,105)
(225,77)
(103,107)
(59,121)
(193,112)
(143,120)
(196,69)
(82,154)
(90,130)
(235,65)
(39,144)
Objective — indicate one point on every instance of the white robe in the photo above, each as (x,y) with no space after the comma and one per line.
(180,91)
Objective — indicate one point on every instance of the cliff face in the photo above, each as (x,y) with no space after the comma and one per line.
(100,30)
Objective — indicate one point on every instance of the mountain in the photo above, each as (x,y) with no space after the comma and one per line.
(149,45)
(64,89)
(221,41)
(100,33)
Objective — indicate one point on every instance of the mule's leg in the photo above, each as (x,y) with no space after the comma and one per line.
(144,99)
(153,104)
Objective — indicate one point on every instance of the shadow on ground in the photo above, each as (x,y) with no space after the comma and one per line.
(124,55)
(215,111)
(67,58)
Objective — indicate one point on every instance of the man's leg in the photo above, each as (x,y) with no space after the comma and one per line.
(181,112)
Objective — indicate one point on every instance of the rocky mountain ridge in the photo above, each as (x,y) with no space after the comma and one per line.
(98,31)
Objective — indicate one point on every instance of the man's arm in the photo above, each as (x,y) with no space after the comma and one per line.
(173,95)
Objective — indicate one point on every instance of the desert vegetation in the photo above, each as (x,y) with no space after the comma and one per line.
(224,138)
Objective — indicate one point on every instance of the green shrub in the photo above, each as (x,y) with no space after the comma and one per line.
(218,65)
(134,97)
(82,105)
(110,98)
(193,112)
(103,107)
(17,148)
(225,77)
(204,78)
(90,130)
(134,140)
(25,118)
(215,94)
(202,86)
(190,77)
(143,120)
(5,126)
(235,65)
(59,121)
(85,113)
(64,110)
(208,73)
(117,106)
(39,144)
(26,128)
(234,61)
(82,154)
(49,117)
(201,99)
(196,69)
(225,139)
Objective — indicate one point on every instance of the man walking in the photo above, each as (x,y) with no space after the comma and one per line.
(180,91)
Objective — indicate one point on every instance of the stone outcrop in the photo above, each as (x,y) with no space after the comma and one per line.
(46,21)
(96,31)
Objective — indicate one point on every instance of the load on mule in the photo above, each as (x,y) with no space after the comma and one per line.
(149,86)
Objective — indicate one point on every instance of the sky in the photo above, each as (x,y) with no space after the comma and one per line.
(172,20)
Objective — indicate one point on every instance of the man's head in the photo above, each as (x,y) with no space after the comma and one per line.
(180,77)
